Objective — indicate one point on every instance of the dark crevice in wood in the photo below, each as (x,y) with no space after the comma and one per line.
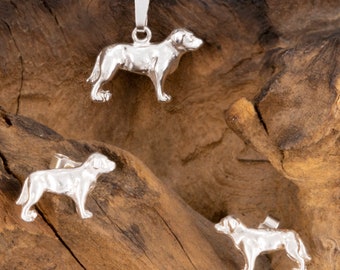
(13,4)
(175,236)
(260,117)
(6,118)
(203,149)
(6,167)
(238,64)
(242,61)
(21,60)
(49,9)
(59,237)
(35,128)
(129,236)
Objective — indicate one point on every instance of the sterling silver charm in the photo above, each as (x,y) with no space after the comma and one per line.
(253,242)
(269,223)
(75,182)
(61,161)
(142,57)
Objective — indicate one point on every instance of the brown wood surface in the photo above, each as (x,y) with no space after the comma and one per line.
(253,128)
(138,222)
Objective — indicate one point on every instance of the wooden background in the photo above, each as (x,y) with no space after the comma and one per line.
(253,129)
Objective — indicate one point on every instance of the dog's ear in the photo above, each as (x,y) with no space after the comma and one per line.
(177,38)
(97,163)
(232,224)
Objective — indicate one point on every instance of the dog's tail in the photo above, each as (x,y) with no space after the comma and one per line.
(24,193)
(96,70)
(302,250)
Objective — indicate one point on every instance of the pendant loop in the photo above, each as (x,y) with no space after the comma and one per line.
(141,13)
(147,33)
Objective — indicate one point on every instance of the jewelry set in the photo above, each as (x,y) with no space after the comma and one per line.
(76,179)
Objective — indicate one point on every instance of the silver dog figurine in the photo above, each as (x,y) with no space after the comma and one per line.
(253,242)
(74,182)
(142,57)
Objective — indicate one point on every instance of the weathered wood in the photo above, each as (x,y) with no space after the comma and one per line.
(23,245)
(280,55)
(138,223)
(295,124)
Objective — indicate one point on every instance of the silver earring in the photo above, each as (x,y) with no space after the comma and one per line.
(267,238)
(69,177)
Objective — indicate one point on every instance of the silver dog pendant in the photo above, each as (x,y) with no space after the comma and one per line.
(70,178)
(154,60)
(253,242)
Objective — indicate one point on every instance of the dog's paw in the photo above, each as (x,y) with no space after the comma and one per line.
(87,214)
(102,96)
(97,98)
(106,95)
(30,216)
(164,98)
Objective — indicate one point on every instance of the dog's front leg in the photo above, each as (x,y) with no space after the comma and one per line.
(250,257)
(79,199)
(158,81)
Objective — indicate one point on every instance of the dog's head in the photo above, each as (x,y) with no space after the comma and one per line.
(227,225)
(185,40)
(101,163)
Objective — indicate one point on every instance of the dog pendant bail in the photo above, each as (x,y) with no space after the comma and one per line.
(60,161)
(269,223)
(141,18)
(137,41)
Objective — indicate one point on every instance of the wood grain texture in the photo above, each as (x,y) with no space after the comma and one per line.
(277,58)
(138,223)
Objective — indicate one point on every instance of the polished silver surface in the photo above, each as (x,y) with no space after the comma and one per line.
(145,40)
(61,161)
(142,57)
(253,242)
(141,13)
(269,223)
(74,182)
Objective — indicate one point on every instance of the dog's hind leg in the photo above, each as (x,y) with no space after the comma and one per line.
(99,95)
(108,65)
(35,194)
(302,250)
(293,253)
(298,259)
(96,70)
(24,193)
